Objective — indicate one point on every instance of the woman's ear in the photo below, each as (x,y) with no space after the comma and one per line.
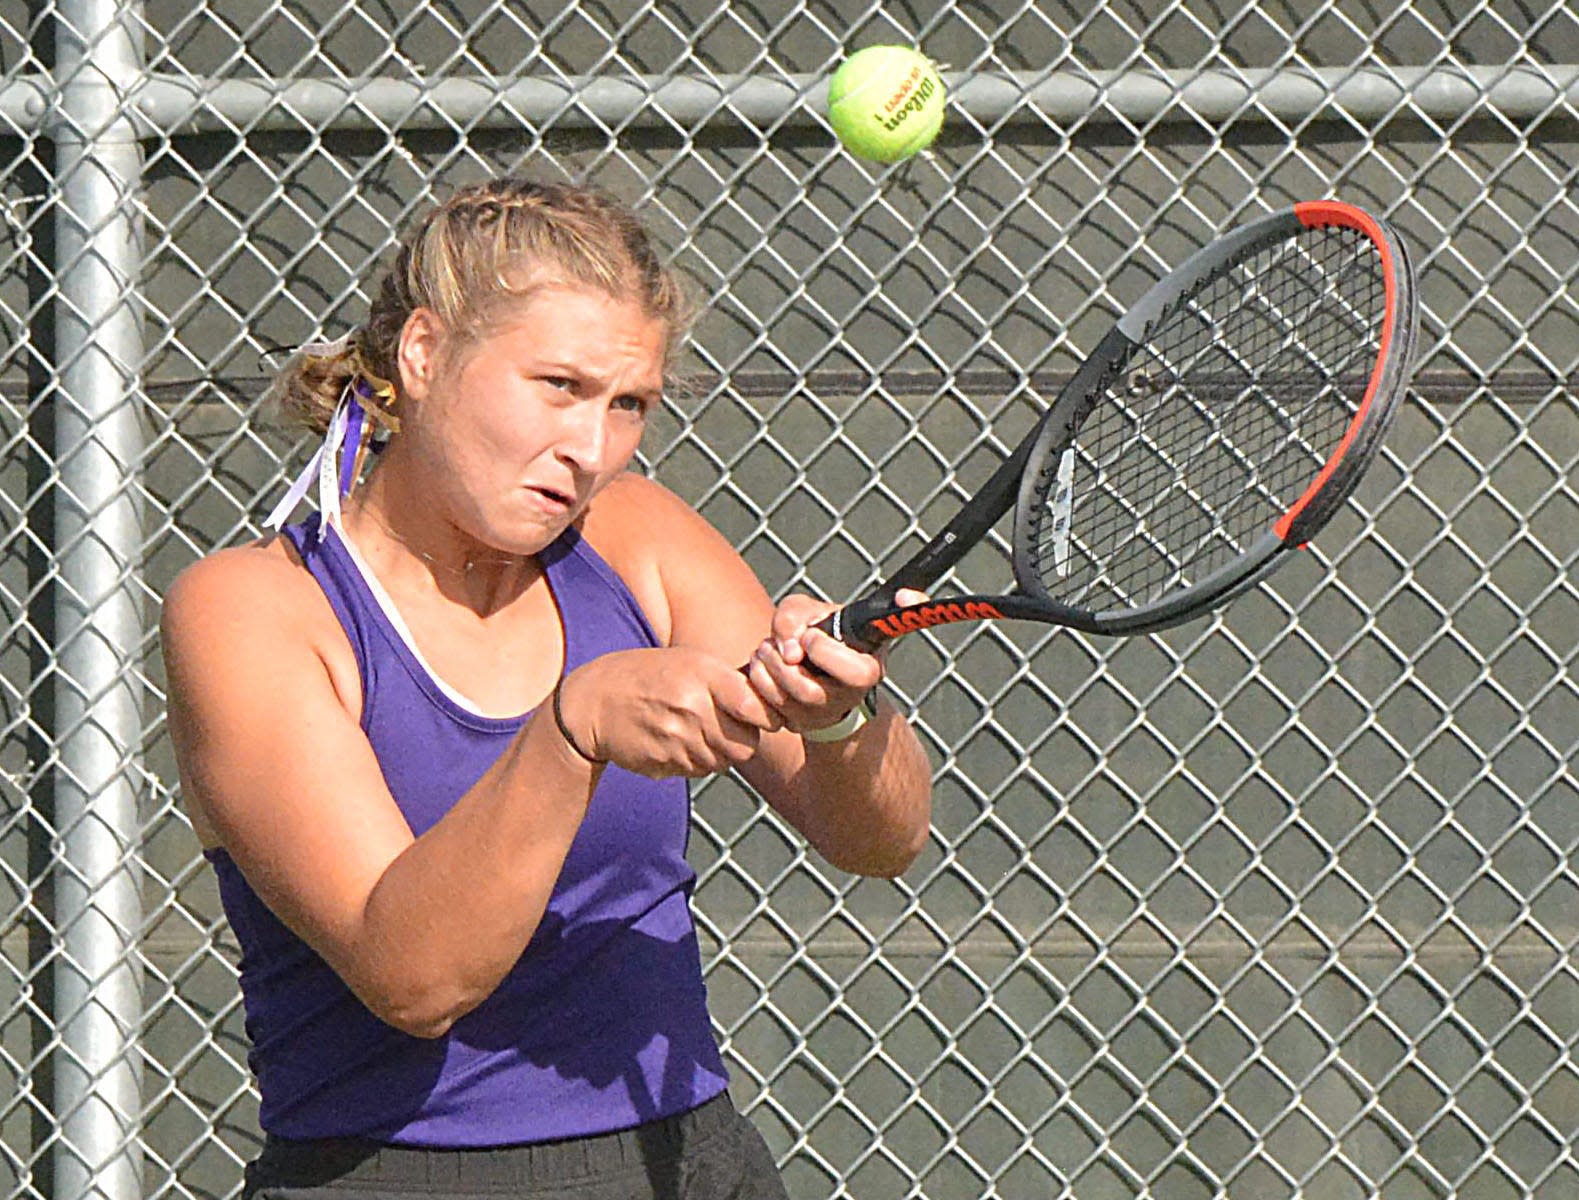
(417,356)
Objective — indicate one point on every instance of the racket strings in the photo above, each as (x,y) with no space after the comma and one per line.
(1220,421)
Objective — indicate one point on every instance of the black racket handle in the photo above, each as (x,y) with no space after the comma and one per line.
(853,624)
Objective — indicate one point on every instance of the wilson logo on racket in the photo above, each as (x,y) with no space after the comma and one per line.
(927,615)
(1062,505)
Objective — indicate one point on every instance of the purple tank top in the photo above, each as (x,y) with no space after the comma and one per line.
(601,1024)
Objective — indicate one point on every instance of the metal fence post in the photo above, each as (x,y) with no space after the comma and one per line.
(98,619)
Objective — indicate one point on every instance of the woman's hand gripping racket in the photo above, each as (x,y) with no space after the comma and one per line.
(1214,430)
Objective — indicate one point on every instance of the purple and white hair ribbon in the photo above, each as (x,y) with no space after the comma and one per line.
(337,463)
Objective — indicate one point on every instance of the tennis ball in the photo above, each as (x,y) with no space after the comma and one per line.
(886,102)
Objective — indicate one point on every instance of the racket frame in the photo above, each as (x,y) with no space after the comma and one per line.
(1018,480)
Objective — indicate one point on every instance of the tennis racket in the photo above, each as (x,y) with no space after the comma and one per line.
(1212,432)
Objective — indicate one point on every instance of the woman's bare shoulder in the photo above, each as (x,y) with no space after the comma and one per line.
(253,655)
(633,524)
(240,610)
(631,498)
(685,574)
(260,580)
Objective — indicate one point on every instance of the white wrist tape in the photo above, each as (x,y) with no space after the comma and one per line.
(846,725)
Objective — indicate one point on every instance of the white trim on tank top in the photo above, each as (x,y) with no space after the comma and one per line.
(387,604)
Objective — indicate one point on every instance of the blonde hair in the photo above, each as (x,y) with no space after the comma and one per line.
(470,260)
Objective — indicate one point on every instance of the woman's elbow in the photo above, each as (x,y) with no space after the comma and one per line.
(888,858)
(416,1023)
(421,1011)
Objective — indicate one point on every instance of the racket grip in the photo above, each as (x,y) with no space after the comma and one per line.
(852,624)
(838,625)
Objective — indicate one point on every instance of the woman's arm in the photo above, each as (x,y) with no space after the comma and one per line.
(264,714)
(865,802)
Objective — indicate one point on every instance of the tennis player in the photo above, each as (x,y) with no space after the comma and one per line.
(435,738)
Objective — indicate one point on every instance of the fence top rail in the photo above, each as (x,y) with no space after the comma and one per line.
(165,105)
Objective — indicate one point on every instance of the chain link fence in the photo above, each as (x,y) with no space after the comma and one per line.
(1282,904)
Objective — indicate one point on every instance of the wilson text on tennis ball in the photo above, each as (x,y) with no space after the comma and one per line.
(912,96)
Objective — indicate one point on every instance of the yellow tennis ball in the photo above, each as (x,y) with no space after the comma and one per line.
(886,102)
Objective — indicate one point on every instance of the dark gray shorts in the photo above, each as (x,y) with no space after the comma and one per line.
(709,1153)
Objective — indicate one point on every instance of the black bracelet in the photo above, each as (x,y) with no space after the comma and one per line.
(564,732)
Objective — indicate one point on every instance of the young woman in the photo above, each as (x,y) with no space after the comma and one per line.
(435,738)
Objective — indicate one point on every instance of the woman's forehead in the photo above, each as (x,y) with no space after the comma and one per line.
(580,327)
(557,302)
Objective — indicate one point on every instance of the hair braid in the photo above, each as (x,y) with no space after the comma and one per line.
(474,257)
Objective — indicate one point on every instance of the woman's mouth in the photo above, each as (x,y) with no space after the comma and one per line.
(554,497)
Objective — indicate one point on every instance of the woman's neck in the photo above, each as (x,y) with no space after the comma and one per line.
(482,578)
